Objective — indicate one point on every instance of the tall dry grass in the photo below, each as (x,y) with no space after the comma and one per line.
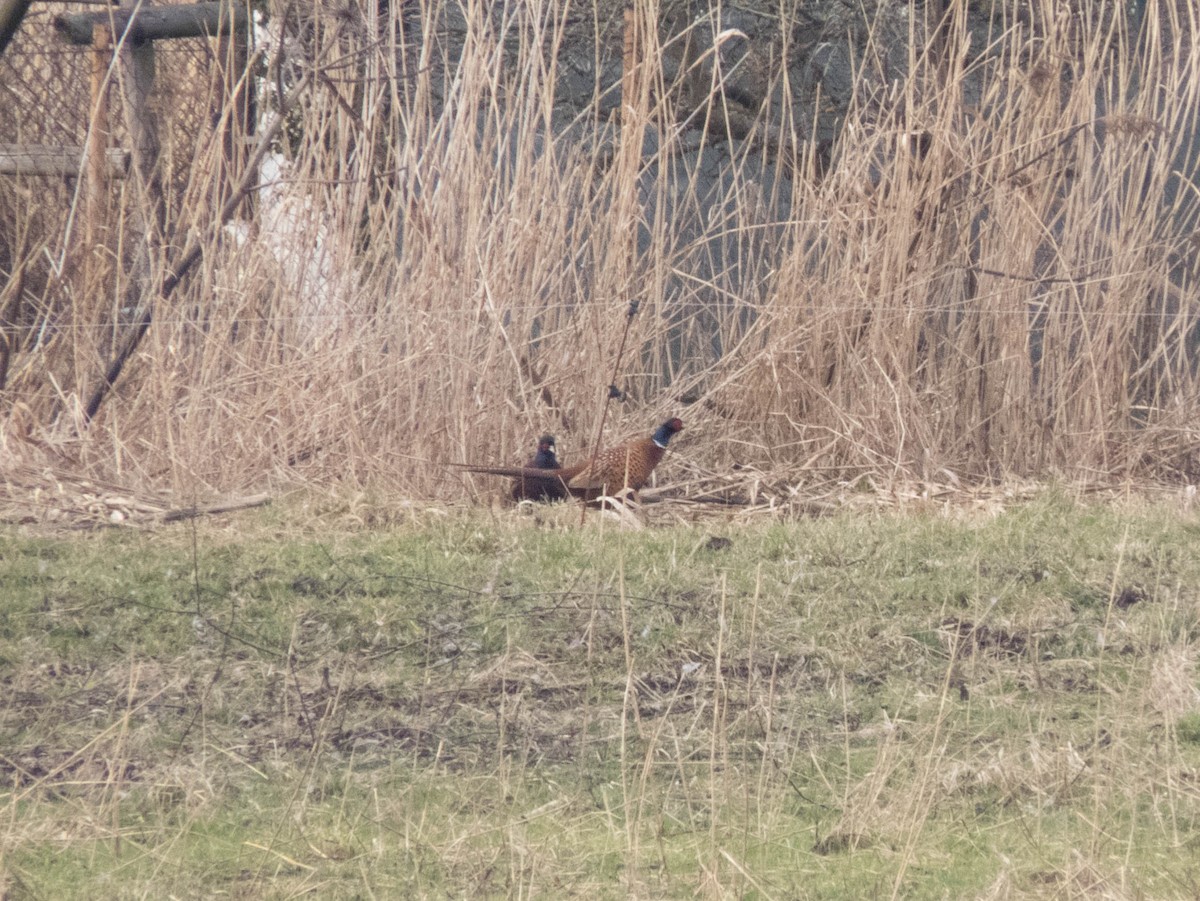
(988,280)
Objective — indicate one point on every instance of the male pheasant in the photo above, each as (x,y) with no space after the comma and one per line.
(539,488)
(625,466)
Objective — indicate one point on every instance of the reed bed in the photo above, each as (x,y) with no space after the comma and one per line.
(992,276)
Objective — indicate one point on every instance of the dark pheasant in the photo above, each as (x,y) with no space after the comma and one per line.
(625,466)
(539,488)
(545,457)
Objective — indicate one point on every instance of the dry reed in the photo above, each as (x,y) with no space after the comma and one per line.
(988,281)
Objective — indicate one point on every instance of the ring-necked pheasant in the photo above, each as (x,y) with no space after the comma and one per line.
(625,466)
(545,457)
(540,488)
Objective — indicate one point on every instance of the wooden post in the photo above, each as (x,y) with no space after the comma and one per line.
(143,23)
(137,69)
(148,209)
(97,149)
(60,161)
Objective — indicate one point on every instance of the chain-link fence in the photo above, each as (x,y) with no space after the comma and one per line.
(75,230)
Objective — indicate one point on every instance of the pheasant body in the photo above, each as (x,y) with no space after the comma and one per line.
(626,466)
(540,488)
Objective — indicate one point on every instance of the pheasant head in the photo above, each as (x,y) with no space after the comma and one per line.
(545,457)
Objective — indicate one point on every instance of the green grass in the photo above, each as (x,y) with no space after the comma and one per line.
(941,706)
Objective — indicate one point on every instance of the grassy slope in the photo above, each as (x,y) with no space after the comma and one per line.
(476,706)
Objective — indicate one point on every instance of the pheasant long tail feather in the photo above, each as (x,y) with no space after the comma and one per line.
(513,471)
